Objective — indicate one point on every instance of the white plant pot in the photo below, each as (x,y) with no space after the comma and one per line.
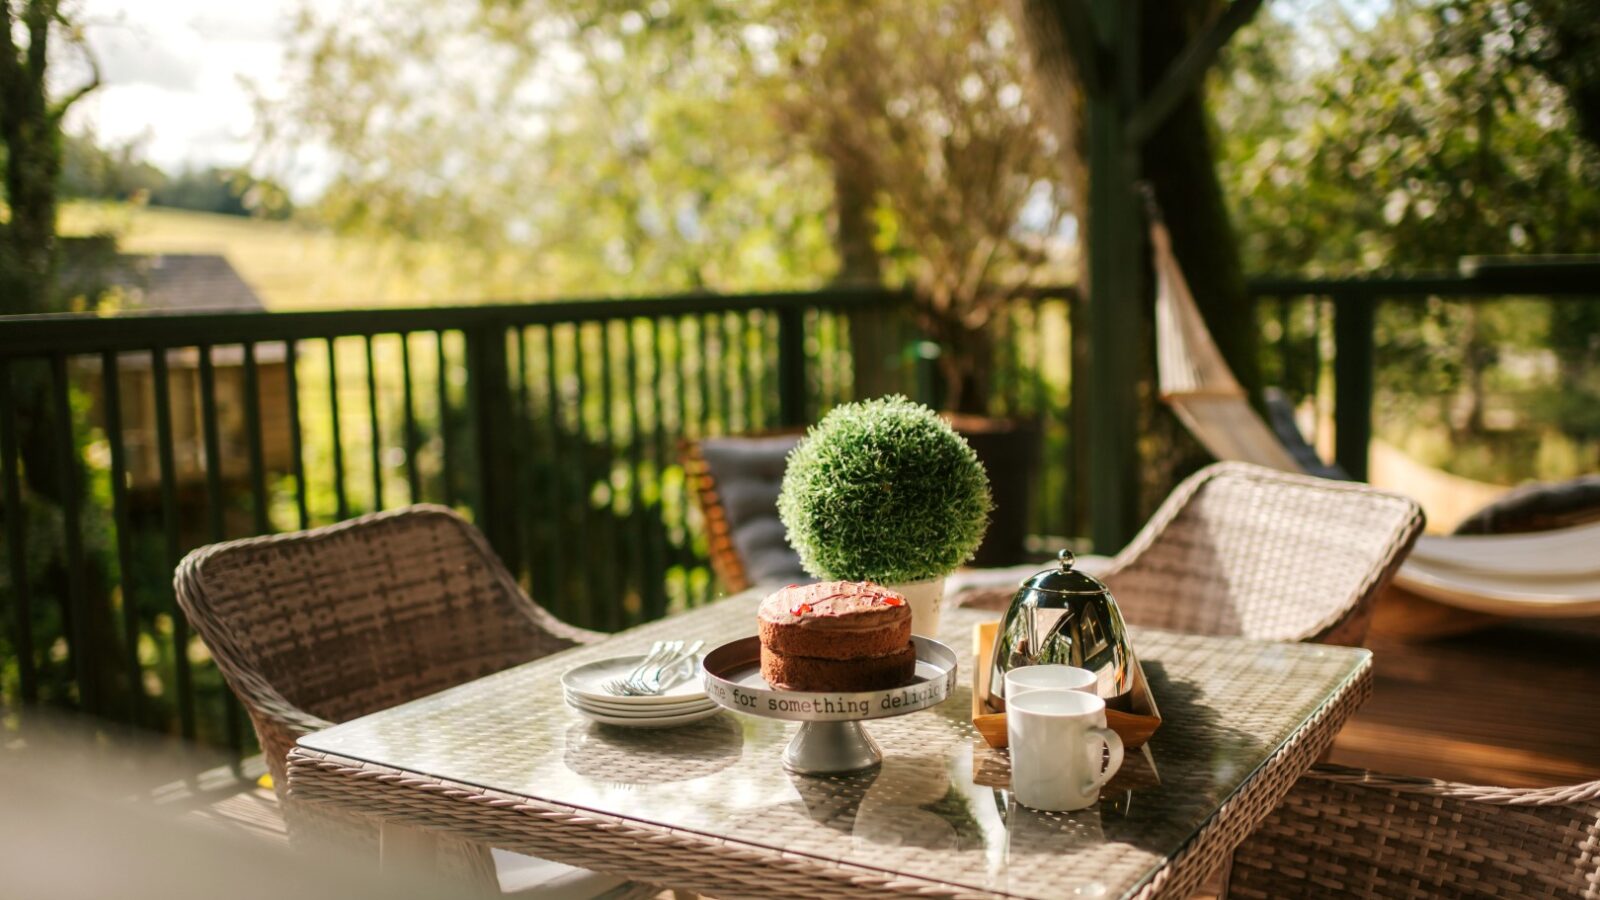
(925,598)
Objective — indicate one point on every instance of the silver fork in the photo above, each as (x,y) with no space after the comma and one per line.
(619,686)
(681,669)
(669,673)
(647,682)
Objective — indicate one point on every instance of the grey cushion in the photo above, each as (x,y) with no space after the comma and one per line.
(1538,507)
(1280,416)
(749,473)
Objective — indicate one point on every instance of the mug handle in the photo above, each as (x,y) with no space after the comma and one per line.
(1113,743)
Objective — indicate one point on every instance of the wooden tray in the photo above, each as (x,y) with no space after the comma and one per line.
(1134,728)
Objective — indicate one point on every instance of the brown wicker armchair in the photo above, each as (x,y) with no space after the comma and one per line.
(735,480)
(1243,550)
(317,627)
(1350,833)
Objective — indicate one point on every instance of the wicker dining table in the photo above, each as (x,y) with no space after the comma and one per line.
(709,807)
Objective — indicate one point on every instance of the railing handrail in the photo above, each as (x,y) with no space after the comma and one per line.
(38,335)
(1566,277)
(1556,277)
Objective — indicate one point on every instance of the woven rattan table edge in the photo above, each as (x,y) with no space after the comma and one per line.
(724,867)
(1214,842)
(676,857)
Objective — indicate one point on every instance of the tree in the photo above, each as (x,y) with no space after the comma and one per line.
(646,147)
(1404,142)
(919,110)
(582,150)
(30,125)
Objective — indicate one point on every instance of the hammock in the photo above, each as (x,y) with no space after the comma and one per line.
(1550,574)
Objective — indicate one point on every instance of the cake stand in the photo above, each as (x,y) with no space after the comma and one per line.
(831,739)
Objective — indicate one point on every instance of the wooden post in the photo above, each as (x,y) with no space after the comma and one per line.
(1354,316)
(792,365)
(1116,282)
(493,426)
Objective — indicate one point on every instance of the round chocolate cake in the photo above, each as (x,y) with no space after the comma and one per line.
(836,636)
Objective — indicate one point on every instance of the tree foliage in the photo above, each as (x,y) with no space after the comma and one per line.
(1433,130)
(642,147)
(32,34)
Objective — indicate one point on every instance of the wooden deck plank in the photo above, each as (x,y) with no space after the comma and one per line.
(1516,705)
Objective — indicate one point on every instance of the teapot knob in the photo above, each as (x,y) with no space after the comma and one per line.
(1066,559)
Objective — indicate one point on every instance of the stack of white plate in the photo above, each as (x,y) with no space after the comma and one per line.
(585,690)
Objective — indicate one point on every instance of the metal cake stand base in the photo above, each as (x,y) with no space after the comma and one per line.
(831,748)
(831,740)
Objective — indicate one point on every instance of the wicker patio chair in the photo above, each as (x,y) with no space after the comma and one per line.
(735,481)
(1350,833)
(1244,550)
(317,627)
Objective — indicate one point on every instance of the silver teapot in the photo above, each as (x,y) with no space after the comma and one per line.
(1064,616)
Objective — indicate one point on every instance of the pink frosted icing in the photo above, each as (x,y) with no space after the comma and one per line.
(841,604)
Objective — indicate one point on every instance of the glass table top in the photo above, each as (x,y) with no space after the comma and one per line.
(937,808)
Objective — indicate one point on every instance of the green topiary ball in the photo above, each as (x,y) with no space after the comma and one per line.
(884,490)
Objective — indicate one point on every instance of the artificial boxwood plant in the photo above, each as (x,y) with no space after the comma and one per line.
(884,490)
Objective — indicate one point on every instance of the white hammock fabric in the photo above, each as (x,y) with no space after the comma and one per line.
(1550,574)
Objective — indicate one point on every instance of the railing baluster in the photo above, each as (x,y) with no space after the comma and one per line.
(527,536)
(16,544)
(297,456)
(341,501)
(252,436)
(162,387)
(111,388)
(557,516)
(1353,321)
(656,598)
(791,366)
(214,512)
(611,596)
(636,548)
(447,470)
(704,412)
(585,488)
(491,410)
(685,549)
(76,603)
(413,476)
(375,432)
(213,443)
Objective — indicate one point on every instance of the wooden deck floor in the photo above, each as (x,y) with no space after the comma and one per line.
(1515,705)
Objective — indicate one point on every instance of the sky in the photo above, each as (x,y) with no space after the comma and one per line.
(175,73)
(179,76)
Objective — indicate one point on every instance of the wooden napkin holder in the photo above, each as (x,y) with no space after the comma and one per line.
(1133,727)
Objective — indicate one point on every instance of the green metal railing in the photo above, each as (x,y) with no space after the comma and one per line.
(556,426)
(1352,304)
(128,440)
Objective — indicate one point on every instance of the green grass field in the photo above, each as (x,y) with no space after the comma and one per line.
(297,266)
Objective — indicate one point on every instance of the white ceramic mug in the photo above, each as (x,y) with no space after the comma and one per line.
(1024,679)
(1058,742)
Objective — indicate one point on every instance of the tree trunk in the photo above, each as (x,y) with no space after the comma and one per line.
(872,334)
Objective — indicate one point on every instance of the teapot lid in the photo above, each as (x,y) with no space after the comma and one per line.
(1064,579)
